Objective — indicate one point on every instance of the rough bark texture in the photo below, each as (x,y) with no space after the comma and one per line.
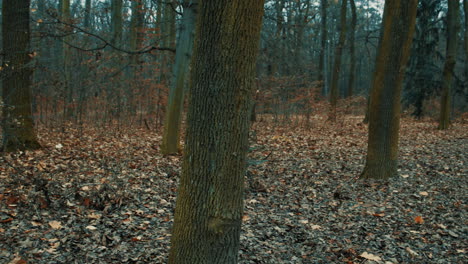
(18,126)
(384,115)
(172,122)
(209,205)
(352,67)
(323,44)
(334,92)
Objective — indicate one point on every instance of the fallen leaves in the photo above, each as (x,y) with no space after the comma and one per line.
(419,220)
(55,224)
(370,256)
(112,197)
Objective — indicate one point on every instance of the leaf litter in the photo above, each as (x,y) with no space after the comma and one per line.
(93,198)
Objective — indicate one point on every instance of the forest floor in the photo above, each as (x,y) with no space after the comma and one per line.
(107,196)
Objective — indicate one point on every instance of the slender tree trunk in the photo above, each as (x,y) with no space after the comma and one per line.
(323,45)
(275,67)
(17,123)
(87,18)
(334,92)
(465,8)
(352,68)
(66,17)
(453,26)
(209,207)
(136,35)
(384,115)
(117,22)
(172,122)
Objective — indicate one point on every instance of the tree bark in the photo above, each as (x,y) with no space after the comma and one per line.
(352,52)
(209,207)
(334,91)
(18,126)
(453,26)
(172,122)
(384,115)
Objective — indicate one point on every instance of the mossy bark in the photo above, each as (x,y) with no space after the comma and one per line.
(453,26)
(18,126)
(209,206)
(384,112)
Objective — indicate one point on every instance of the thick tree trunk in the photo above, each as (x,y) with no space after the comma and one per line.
(172,122)
(384,115)
(453,26)
(352,68)
(18,126)
(209,208)
(323,45)
(334,91)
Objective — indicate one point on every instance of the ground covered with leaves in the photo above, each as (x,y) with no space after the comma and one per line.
(107,196)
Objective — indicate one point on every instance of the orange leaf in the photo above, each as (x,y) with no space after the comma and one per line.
(86,202)
(419,219)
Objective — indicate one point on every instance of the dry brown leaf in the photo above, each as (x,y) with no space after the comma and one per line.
(55,224)
(370,256)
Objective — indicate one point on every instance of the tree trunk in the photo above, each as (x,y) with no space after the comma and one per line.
(209,207)
(334,92)
(172,122)
(87,18)
(18,126)
(465,8)
(66,17)
(352,68)
(136,35)
(384,115)
(453,26)
(323,45)
(275,67)
(117,22)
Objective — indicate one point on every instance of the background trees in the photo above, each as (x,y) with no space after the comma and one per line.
(112,49)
